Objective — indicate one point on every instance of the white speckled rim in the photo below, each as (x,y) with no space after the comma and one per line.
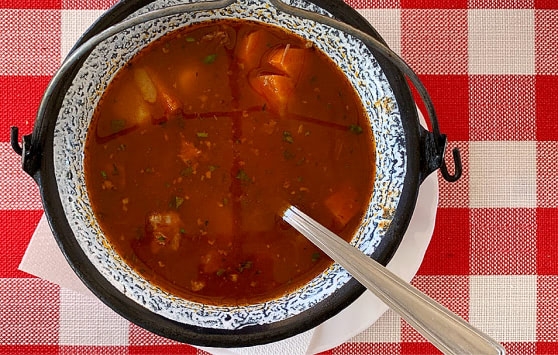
(75,114)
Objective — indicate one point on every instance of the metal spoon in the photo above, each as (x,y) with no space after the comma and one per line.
(448,332)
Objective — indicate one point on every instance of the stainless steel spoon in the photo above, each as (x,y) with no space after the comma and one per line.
(448,332)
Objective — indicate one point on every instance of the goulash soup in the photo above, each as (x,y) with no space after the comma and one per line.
(200,142)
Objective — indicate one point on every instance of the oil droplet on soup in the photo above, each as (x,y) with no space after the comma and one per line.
(198,144)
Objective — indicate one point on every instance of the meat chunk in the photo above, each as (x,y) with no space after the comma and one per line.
(164,227)
(343,204)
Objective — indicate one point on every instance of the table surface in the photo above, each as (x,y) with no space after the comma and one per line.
(491,68)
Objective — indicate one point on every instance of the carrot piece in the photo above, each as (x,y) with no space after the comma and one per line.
(343,204)
(276,89)
(247,50)
(288,60)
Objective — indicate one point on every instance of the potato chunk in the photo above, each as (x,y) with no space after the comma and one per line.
(145,85)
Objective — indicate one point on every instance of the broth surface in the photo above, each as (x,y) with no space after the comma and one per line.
(200,142)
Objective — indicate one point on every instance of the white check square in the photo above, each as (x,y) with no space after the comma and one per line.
(505,307)
(387,22)
(501,41)
(74,24)
(503,174)
(84,320)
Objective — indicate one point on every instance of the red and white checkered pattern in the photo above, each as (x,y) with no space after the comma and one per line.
(491,67)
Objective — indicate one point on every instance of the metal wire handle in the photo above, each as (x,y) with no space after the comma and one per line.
(31,147)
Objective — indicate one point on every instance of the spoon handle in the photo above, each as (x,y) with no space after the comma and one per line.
(448,332)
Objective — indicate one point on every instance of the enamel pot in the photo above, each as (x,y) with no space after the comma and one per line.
(53,156)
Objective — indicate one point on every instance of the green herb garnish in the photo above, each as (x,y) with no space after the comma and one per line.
(177,201)
(210,59)
(245,265)
(117,125)
(242,176)
(316,257)
(356,129)
(202,134)
(187,171)
(288,137)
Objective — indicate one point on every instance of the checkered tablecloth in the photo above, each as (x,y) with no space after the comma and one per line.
(491,67)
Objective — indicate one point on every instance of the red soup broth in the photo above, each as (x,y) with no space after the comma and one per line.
(199,143)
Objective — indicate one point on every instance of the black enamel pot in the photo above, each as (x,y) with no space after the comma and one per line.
(53,156)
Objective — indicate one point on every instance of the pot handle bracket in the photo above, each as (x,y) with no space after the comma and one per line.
(433,148)
(29,161)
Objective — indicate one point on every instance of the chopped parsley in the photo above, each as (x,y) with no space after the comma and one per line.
(356,129)
(202,134)
(176,201)
(245,265)
(242,176)
(316,256)
(288,137)
(117,125)
(210,59)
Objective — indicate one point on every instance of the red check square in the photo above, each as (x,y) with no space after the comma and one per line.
(547,347)
(433,41)
(502,108)
(448,252)
(13,245)
(419,348)
(500,4)
(547,233)
(546,94)
(30,4)
(546,4)
(19,100)
(546,45)
(450,96)
(503,241)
